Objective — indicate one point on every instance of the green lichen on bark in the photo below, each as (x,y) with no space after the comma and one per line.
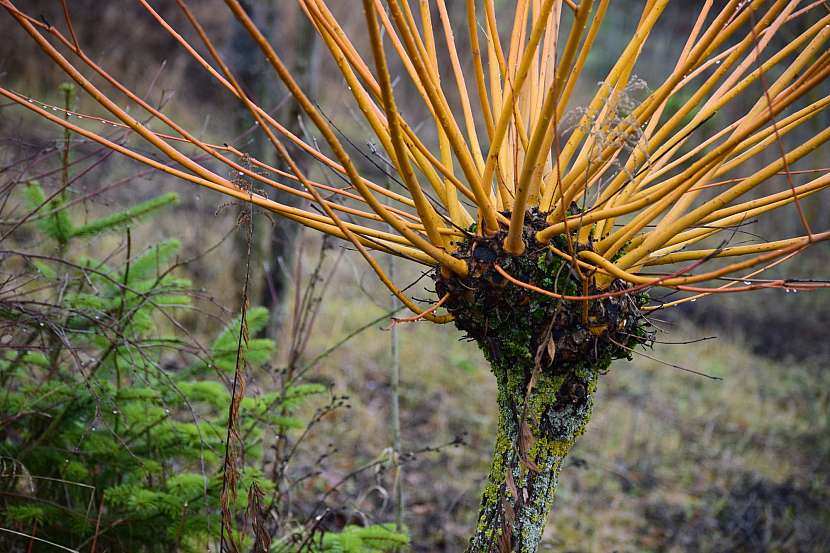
(547,356)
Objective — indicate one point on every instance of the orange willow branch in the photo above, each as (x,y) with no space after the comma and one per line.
(381,241)
(425,210)
(745,279)
(513,242)
(603,295)
(449,125)
(618,161)
(456,265)
(422,315)
(284,154)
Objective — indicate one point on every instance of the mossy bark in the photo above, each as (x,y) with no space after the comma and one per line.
(541,414)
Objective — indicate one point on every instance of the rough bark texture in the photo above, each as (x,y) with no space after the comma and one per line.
(541,413)
(547,356)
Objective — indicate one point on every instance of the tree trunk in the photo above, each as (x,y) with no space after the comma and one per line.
(274,240)
(541,413)
(547,355)
(282,244)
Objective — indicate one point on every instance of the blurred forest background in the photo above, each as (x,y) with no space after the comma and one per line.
(671,461)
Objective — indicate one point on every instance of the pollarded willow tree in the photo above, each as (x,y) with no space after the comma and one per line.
(546,223)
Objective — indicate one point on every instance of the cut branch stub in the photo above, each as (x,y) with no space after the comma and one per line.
(547,356)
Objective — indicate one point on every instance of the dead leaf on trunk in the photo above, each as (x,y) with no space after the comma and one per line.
(551,348)
(510,484)
(526,443)
(506,538)
(547,345)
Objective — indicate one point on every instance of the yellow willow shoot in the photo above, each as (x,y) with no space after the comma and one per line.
(523,103)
